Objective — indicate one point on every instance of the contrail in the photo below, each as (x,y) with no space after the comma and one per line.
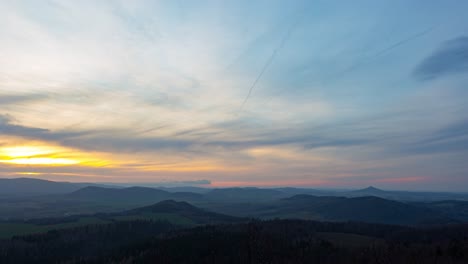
(389,48)
(265,67)
(270,60)
(415,36)
(376,55)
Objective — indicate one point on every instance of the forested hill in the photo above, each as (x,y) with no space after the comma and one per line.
(276,241)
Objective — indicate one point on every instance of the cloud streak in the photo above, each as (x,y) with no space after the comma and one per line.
(450,58)
(14,99)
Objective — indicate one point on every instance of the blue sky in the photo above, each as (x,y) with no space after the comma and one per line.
(265,93)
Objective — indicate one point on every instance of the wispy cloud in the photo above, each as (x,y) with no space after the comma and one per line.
(16,99)
(450,58)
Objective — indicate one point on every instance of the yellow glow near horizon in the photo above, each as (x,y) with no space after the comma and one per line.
(26,151)
(34,155)
(40,154)
(28,173)
(42,161)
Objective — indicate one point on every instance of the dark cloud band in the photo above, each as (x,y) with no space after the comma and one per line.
(450,58)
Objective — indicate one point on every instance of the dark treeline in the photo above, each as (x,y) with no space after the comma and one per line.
(275,241)
(81,244)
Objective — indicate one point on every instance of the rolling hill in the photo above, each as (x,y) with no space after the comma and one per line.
(186,210)
(58,199)
(176,213)
(405,195)
(249,194)
(369,209)
(450,208)
(30,186)
(131,195)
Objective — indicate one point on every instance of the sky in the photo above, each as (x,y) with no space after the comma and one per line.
(310,93)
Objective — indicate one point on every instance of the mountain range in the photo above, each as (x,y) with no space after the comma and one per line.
(367,205)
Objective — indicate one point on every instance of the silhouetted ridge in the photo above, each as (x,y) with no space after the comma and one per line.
(91,190)
(370,189)
(169,206)
(31,186)
(244,194)
(366,209)
(308,197)
(184,209)
(135,192)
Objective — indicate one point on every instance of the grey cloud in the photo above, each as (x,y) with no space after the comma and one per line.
(377,132)
(197,132)
(308,137)
(453,138)
(123,141)
(450,146)
(164,100)
(372,133)
(451,57)
(304,141)
(456,130)
(126,143)
(340,142)
(91,140)
(7,128)
(8,99)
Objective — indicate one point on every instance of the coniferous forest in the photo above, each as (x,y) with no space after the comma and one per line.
(273,241)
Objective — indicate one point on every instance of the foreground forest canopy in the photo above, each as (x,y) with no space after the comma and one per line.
(274,241)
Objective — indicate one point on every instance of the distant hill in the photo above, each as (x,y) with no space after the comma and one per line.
(131,195)
(373,209)
(181,214)
(369,209)
(450,208)
(31,186)
(294,191)
(244,194)
(405,195)
(139,196)
(186,210)
(369,190)
(191,189)
(58,199)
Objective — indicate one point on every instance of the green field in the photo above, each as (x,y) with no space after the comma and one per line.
(10,229)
